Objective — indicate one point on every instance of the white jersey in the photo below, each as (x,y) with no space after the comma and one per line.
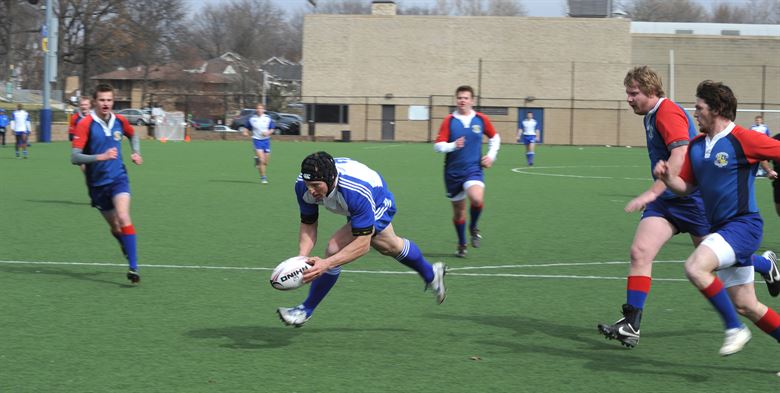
(529,127)
(260,125)
(21,121)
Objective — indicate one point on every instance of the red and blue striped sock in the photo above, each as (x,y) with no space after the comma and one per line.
(770,323)
(475,210)
(719,298)
(637,289)
(460,229)
(128,246)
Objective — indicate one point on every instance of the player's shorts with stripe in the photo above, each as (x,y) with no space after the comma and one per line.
(103,196)
(383,221)
(454,182)
(685,213)
(262,144)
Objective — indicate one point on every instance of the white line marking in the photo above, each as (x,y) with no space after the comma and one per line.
(450,271)
(531,170)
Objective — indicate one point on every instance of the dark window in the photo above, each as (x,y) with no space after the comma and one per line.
(327,113)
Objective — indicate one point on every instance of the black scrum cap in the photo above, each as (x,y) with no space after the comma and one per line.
(319,166)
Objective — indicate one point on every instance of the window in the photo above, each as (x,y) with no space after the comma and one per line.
(327,113)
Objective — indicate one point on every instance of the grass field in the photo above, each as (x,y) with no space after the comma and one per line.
(520,315)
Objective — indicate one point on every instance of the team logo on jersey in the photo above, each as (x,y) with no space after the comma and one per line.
(476,128)
(721,159)
(650,132)
(117,136)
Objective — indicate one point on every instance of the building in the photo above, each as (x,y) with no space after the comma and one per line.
(392,77)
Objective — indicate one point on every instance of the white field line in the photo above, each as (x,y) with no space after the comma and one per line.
(532,171)
(455,271)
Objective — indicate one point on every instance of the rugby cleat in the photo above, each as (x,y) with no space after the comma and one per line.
(462,251)
(264,180)
(437,284)
(295,316)
(133,276)
(623,330)
(735,340)
(476,237)
(773,277)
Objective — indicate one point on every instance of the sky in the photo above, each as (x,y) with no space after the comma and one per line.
(534,7)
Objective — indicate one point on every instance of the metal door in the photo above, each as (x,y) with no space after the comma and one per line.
(388,122)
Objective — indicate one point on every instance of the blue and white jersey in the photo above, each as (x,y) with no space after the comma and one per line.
(3,121)
(260,125)
(762,128)
(529,127)
(360,193)
(21,121)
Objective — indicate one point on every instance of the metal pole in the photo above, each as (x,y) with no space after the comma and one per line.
(45,125)
(671,74)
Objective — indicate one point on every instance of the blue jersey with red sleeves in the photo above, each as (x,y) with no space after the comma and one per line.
(468,158)
(74,121)
(94,136)
(667,126)
(360,193)
(725,167)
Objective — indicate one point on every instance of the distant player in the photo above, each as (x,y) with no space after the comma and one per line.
(460,137)
(4,122)
(262,127)
(760,127)
(721,163)
(20,123)
(668,130)
(350,189)
(85,105)
(97,143)
(528,134)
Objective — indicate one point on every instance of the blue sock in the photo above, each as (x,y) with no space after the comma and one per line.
(476,210)
(719,298)
(413,258)
(460,228)
(530,157)
(128,246)
(760,264)
(319,289)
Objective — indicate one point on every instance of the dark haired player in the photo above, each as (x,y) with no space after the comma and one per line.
(351,189)
(97,144)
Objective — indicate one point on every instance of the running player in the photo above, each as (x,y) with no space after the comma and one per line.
(262,126)
(460,137)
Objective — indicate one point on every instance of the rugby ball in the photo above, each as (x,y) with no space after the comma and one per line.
(289,274)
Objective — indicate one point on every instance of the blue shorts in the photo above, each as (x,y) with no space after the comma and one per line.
(527,139)
(103,196)
(685,213)
(454,181)
(744,234)
(382,222)
(262,144)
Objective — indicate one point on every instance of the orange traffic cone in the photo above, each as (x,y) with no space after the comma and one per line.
(187,138)
(163,140)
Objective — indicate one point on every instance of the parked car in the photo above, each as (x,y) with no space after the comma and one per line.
(223,128)
(284,125)
(135,116)
(201,123)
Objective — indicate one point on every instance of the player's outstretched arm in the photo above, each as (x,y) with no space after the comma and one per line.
(673,181)
(307,238)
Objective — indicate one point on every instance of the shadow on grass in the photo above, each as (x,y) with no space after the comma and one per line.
(233,181)
(86,276)
(58,202)
(263,337)
(599,354)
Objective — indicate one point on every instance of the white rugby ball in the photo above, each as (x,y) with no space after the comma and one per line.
(289,274)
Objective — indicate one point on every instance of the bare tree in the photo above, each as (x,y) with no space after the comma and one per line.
(346,7)
(470,8)
(727,13)
(666,11)
(763,11)
(19,38)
